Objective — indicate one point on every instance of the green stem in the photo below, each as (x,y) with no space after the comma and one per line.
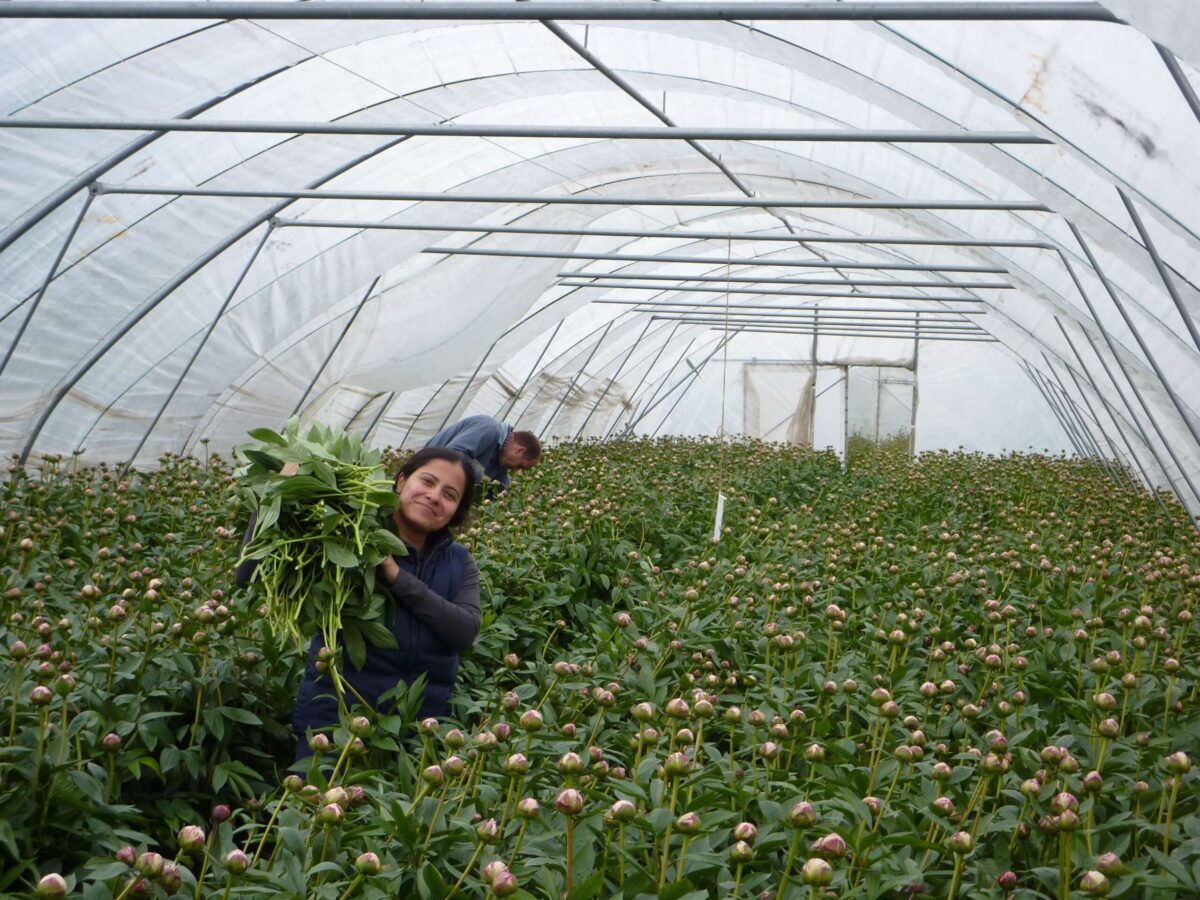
(787,869)
(1170,813)
(353,885)
(263,840)
(466,871)
(958,867)
(570,852)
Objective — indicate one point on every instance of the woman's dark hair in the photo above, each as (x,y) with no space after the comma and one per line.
(428,454)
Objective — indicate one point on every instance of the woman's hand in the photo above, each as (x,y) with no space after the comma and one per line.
(389,569)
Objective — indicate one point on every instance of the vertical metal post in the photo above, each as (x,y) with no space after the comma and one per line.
(379,415)
(1112,414)
(1161,267)
(506,409)
(1179,407)
(912,425)
(1041,388)
(467,386)
(1115,462)
(333,349)
(609,385)
(637,416)
(421,411)
(694,377)
(200,346)
(575,380)
(37,298)
(1128,377)
(645,375)
(1185,86)
(1085,432)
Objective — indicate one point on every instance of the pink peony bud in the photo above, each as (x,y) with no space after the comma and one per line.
(368,864)
(960,842)
(569,802)
(52,885)
(191,838)
(236,862)
(816,872)
(741,852)
(745,831)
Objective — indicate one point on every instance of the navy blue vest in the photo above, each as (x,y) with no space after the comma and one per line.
(420,651)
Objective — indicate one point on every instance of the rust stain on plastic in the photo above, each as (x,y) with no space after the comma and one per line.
(1033,95)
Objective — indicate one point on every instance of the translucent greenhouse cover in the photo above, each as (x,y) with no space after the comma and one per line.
(139,320)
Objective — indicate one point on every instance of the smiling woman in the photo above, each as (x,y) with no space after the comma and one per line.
(436,593)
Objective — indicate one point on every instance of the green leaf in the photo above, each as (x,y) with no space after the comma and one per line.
(262,458)
(681,890)
(378,634)
(430,883)
(339,555)
(392,544)
(241,716)
(356,649)
(588,888)
(267,436)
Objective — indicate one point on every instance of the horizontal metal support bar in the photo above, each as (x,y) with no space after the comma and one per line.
(580,199)
(619,10)
(600,132)
(823,308)
(945,326)
(749,279)
(751,319)
(622,286)
(778,329)
(715,261)
(688,235)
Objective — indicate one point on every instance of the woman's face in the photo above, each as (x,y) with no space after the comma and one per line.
(429,497)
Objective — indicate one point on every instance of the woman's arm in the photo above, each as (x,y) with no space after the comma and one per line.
(455,621)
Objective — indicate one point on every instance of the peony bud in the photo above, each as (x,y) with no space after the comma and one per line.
(1179,763)
(191,838)
(52,885)
(741,852)
(816,872)
(960,842)
(529,808)
(802,815)
(368,864)
(569,802)
(1095,883)
(236,862)
(505,884)
(531,720)
(488,831)
(831,846)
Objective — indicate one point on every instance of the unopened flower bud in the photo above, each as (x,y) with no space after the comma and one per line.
(569,802)
(816,872)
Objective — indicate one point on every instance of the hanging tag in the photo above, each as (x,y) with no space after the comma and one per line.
(720,517)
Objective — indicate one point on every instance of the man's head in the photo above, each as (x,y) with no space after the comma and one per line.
(522,450)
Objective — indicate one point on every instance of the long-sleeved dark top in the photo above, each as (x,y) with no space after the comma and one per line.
(481,438)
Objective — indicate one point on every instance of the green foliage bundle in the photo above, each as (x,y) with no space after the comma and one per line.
(320,533)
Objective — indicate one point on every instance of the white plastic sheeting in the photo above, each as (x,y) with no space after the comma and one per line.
(172,319)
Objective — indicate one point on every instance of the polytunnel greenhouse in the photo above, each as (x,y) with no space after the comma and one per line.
(861,341)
